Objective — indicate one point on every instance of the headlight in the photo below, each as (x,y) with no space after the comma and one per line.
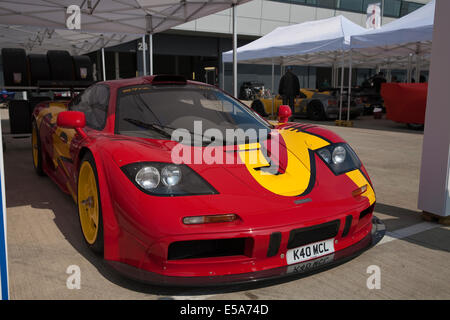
(165,179)
(339,155)
(148,178)
(170,175)
(340,158)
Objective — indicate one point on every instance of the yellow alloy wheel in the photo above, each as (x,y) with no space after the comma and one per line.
(34,144)
(88,204)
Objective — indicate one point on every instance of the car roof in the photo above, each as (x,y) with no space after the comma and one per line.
(147,80)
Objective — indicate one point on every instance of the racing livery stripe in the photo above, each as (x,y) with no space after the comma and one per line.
(360,180)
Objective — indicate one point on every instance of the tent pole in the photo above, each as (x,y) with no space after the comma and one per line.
(342,86)
(349,99)
(223,75)
(409,73)
(150,52)
(103,64)
(273,86)
(418,62)
(234,51)
(144,60)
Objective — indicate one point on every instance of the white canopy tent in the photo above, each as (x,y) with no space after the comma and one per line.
(395,43)
(320,42)
(107,21)
(313,42)
(41,39)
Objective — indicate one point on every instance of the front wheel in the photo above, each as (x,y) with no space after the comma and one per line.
(89,205)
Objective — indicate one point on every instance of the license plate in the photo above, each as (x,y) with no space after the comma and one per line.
(310,251)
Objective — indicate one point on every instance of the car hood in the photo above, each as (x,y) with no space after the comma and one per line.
(283,165)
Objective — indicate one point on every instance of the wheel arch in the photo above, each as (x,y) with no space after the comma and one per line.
(110,226)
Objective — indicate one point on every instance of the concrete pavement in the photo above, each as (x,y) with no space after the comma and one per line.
(44,236)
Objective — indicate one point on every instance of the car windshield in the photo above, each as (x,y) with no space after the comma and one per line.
(155,111)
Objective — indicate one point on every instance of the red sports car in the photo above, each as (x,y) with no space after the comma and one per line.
(157,199)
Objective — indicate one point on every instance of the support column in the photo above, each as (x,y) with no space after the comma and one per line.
(434,188)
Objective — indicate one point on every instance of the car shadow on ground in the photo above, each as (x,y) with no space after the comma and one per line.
(42,193)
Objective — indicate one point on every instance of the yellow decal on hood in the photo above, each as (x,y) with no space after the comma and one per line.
(297,176)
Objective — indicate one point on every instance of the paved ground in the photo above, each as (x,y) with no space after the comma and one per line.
(44,236)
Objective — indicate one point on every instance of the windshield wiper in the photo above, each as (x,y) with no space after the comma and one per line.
(153,126)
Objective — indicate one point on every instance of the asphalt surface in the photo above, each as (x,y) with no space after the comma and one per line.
(44,236)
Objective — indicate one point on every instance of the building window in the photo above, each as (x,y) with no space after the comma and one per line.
(351,5)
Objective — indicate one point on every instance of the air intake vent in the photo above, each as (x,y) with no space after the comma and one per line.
(274,244)
(348,224)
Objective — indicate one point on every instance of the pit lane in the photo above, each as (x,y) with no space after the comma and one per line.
(44,237)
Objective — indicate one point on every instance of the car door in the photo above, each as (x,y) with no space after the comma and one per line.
(93,102)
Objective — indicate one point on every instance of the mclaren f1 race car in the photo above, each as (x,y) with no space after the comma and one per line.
(169,192)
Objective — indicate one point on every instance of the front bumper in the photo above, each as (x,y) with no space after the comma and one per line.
(294,270)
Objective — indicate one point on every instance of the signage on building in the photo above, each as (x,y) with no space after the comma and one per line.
(373,20)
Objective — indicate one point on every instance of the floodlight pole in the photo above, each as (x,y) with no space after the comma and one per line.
(234,51)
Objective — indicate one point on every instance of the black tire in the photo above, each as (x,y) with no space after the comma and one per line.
(38,163)
(315,111)
(83,67)
(258,106)
(415,126)
(19,116)
(39,69)
(61,65)
(98,246)
(14,67)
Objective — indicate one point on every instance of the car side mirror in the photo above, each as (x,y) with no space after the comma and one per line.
(72,120)
(284,113)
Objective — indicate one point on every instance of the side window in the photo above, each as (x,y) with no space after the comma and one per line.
(93,102)
(302,95)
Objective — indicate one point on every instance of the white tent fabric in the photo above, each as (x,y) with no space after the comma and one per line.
(315,42)
(40,40)
(411,34)
(103,22)
(121,16)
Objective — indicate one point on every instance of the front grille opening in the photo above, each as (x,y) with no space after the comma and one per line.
(207,248)
(302,236)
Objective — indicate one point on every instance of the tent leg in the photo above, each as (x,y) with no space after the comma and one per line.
(409,71)
(103,64)
(144,59)
(116,64)
(234,51)
(273,86)
(342,87)
(349,99)
(418,66)
(223,75)
(150,53)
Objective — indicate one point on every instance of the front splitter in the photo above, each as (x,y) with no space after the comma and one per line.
(295,270)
